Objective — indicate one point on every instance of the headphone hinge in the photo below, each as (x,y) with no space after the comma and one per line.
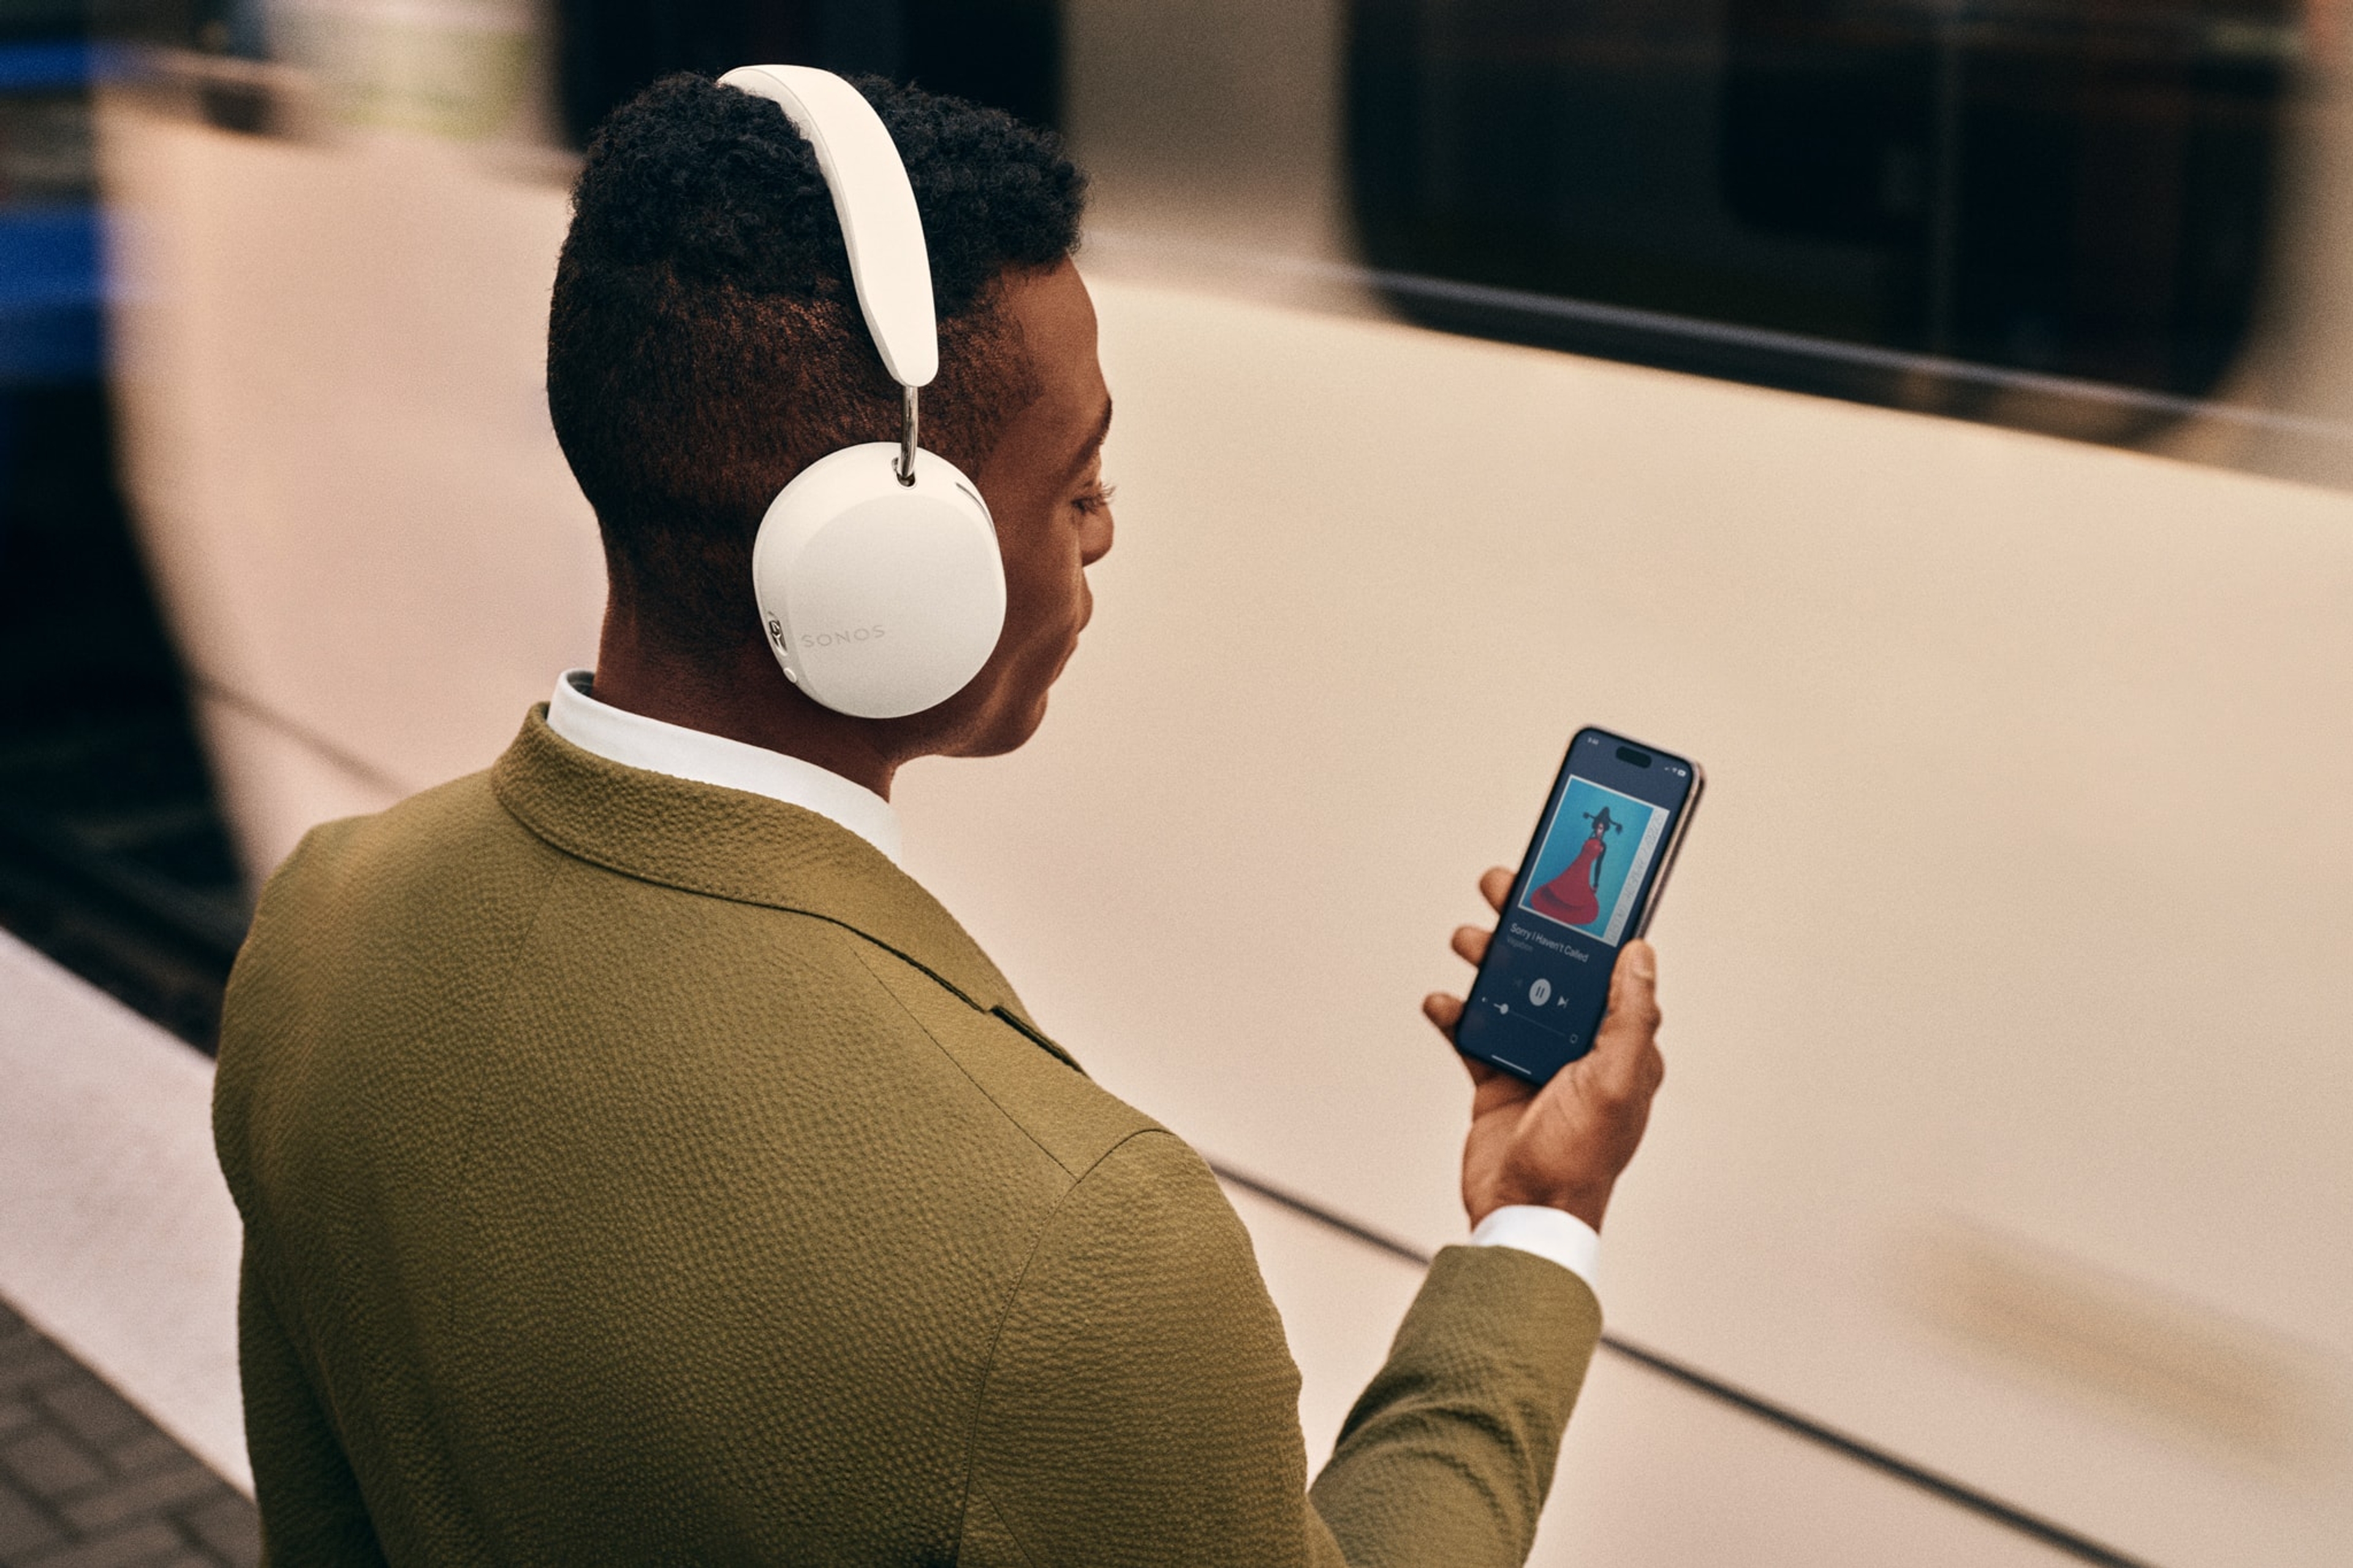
(905,467)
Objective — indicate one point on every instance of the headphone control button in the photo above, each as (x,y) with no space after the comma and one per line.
(791,677)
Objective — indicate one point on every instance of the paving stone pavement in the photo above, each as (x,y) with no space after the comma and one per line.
(87,1481)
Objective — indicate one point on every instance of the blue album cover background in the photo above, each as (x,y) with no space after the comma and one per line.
(1591,863)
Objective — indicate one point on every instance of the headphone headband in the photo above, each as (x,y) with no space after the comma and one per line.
(879,582)
(889,265)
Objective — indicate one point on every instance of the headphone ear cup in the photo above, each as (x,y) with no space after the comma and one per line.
(879,599)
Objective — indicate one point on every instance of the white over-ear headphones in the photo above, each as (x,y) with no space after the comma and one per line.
(876,569)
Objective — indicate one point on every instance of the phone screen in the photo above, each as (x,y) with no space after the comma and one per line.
(1592,873)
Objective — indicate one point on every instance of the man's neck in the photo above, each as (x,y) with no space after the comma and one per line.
(744,699)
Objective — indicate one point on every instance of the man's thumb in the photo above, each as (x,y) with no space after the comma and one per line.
(1633,1021)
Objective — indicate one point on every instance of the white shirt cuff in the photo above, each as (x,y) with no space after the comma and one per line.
(1548,1233)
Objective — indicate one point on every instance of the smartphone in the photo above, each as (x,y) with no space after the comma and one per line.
(1591,878)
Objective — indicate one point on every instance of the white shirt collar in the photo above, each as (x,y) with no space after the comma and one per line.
(635,740)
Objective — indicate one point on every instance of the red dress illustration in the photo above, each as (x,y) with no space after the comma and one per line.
(1570,896)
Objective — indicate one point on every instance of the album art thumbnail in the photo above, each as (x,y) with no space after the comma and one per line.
(1595,850)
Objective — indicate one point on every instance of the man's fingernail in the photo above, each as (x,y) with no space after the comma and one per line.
(1645,964)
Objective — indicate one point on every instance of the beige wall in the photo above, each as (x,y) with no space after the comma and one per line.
(2006,963)
(2005,966)
(336,433)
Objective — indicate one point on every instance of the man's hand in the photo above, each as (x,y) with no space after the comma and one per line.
(1562,1145)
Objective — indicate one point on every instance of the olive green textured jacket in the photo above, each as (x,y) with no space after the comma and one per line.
(636,1170)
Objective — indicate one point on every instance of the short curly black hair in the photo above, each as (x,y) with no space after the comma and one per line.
(704,343)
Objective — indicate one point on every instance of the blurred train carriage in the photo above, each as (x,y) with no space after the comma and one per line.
(1934,415)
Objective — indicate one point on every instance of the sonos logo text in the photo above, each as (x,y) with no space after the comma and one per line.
(835,639)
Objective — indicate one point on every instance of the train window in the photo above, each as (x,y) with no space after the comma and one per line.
(1880,199)
(1002,52)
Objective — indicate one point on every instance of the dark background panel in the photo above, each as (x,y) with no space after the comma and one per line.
(113,857)
(1005,53)
(2063,188)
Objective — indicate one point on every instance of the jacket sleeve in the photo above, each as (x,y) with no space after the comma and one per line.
(1142,1407)
(1450,1451)
(311,1511)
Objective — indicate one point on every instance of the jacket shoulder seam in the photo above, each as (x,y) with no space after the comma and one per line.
(941,1047)
(1005,1313)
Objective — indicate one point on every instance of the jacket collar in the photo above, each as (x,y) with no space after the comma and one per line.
(727,844)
